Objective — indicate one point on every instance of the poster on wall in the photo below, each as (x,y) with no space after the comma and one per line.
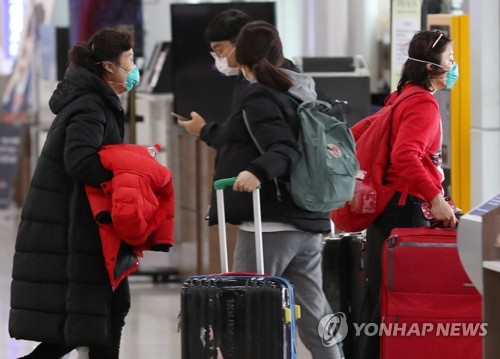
(407,17)
(10,145)
(88,16)
(19,103)
(18,97)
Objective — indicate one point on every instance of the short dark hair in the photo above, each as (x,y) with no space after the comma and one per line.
(226,25)
(104,45)
(259,47)
(428,45)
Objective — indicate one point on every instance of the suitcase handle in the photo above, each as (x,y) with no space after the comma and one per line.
(225,182)
(219,186)
(241,274)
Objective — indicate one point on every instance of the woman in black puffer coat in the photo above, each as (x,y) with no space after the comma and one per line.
(60,293)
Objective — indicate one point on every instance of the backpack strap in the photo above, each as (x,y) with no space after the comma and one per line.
(326,106)
(399,99)
(261,151)
(403,96)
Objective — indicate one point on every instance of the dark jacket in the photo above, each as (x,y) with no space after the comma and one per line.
(60,291)
(273,120)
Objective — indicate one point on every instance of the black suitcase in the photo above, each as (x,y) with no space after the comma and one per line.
(344,282)
(238,315)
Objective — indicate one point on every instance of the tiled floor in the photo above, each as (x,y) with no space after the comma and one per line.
(151,327)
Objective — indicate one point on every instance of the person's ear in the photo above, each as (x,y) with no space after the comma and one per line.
(108,67)
(430,67)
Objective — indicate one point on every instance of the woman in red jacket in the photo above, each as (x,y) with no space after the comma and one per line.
(415,164)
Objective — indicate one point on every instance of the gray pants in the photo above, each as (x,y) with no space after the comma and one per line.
(295,256)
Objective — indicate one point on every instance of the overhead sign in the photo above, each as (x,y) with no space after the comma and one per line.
(406,20)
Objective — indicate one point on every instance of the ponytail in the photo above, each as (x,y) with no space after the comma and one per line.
(81,54)
(271,75)
(258,46)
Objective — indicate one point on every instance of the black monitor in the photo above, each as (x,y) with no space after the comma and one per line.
(328,64)
(158,74)
(198,86)
(353,89)
(343,79)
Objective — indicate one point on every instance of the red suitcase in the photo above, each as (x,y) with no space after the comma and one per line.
(429,307)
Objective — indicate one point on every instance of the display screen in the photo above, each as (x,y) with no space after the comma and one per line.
(158,74)
(198,86)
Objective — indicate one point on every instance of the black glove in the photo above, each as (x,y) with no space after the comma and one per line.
(104,217)
(161,247)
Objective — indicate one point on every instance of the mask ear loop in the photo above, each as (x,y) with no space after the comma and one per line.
(102,62)
(115,82)
(427,62)
(109,62)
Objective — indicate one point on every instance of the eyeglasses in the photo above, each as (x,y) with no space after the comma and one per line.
(437,40)
(441,35)
(218,54)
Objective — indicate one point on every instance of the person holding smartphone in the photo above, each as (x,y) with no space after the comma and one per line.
(292,236)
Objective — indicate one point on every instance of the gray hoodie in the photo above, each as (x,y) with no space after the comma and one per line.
(303,85)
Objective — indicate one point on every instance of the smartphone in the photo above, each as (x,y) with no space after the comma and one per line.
(427,209)
(179,117)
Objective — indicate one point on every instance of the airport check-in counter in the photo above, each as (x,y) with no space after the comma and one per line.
(479,249)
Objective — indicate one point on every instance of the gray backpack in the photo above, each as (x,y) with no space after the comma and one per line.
(324,177)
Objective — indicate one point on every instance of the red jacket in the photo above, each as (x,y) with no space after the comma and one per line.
(136,206)
(416,146)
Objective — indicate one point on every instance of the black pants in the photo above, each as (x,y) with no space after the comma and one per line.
(120,304)
(394,216)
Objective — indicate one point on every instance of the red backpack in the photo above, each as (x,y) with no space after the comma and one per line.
(373,151)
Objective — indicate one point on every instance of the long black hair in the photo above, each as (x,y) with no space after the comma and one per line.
(426,46)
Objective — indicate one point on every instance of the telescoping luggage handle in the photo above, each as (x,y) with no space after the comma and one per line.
(219,186)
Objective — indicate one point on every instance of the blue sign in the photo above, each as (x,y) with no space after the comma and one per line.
(487,206)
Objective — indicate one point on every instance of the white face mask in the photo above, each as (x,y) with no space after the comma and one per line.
(222,65)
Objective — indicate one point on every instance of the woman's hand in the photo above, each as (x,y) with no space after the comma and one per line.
(246,182)
(443,212)
(194,125)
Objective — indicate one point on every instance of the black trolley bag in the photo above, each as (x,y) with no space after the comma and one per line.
(238,315)
(344,282)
